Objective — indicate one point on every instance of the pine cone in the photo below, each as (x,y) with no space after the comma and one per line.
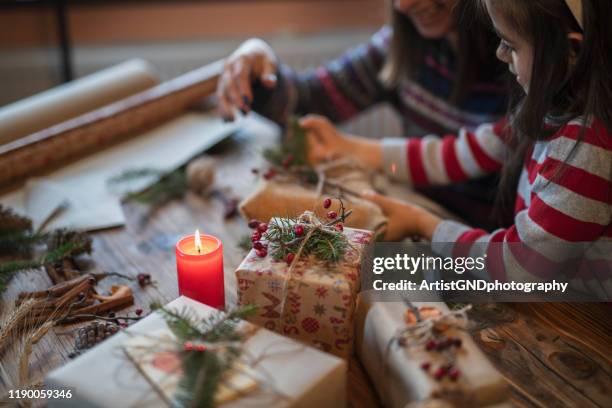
(12,223)
(92,334)
(80,240)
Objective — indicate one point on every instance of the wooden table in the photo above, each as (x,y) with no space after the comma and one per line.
(552,355)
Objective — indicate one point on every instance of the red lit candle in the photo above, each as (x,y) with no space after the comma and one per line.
(199,265)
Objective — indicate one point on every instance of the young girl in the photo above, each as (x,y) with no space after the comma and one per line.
(555,148)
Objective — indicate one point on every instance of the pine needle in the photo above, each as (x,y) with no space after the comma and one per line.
(203,371)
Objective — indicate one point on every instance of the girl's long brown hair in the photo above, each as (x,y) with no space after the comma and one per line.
(568,81)
(475,61)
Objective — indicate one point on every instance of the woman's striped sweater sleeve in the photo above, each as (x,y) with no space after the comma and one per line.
(434,160)
(563,206)
(338,90)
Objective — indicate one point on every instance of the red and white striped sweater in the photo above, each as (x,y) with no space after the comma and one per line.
(562,199)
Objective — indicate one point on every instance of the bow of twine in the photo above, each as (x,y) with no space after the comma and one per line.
(419,332)
(324,181)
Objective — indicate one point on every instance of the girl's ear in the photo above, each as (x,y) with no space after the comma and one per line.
(575,45)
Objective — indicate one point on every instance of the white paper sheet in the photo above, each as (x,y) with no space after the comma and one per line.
(85,183)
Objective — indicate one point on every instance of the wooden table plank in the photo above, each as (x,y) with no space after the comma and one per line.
(552,355)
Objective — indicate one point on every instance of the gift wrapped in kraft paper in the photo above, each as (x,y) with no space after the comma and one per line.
(419,354)
(311,300)
(286,195)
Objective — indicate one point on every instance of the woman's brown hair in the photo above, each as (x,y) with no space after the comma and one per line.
(477,43)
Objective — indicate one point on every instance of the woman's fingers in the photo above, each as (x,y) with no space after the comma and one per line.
(224,106)
(242,76)
(268,74)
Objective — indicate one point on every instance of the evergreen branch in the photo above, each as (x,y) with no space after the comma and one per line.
(135,174)
(324,243)
(10,268)
(19,243)
(204,371)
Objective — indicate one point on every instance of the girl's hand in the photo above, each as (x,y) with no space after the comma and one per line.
(325,142)
(252,60)
(405,220)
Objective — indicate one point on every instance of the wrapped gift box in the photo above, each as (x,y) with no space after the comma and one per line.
(319,304)
(274,198)
(397,372)
(104,377)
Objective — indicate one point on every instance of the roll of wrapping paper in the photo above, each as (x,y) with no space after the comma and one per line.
(74,98)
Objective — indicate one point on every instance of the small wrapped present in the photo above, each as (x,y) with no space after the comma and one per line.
(139,367)
(287,196)
(417,353)
(302,296)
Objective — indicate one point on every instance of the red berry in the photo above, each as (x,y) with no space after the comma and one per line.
(254,223)
(431,345)
(255,236)
(439,373)
(200,347)
(327,203)
(257,245)
(298,230)
(188,346)
(332,215)
(269,174)
(262,253)
(454,373)
(425,365)
(290,257)
(263,227)
(138,312)
(339,227)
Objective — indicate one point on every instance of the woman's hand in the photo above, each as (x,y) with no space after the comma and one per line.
(326,142)
(252,60)
(405,220)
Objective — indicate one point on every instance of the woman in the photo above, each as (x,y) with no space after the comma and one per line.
(431,65)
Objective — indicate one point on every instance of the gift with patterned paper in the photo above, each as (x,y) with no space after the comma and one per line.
(304,274)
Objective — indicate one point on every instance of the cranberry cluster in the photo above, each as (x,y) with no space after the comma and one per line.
(442,344)
(446,370)
(189,346)
(439,345)
(259,228)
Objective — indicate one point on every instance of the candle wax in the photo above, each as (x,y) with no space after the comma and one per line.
(200,274)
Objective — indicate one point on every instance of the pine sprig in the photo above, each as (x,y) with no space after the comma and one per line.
(11,222)
(325,245)
(203,370)
(61,244)
(19,243)
(295,145)
(292,154)
(326,242)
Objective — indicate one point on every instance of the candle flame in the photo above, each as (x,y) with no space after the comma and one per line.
(198,241)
